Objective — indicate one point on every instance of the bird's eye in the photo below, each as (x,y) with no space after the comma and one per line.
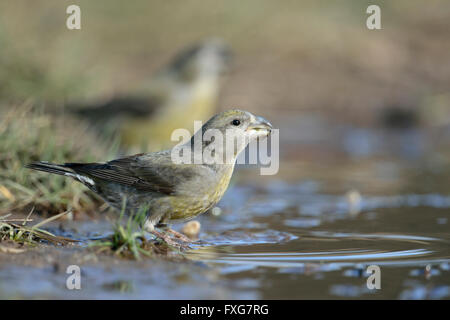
(235,122)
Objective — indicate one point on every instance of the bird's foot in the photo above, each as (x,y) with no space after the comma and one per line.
(167,239)
(180,236)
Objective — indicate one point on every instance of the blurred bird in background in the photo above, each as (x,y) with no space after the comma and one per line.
(185,90)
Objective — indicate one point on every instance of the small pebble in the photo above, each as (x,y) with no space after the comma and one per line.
(354,202)
(428,271)
(191,229)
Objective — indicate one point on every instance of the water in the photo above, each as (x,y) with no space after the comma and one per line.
(309,232)
(325,247)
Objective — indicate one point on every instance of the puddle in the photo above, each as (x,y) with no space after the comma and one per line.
(309,232)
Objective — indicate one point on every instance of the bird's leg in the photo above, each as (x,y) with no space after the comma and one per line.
(150,227)
(166,238)
(176,234)
(180,236)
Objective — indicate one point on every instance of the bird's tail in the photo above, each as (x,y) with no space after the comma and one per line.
(50,167)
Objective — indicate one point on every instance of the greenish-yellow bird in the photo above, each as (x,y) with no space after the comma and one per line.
(171,191)
(185,90)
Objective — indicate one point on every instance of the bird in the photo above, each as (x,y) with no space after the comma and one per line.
(168,190)
(185,90)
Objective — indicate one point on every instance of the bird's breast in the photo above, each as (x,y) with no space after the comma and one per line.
(200,196)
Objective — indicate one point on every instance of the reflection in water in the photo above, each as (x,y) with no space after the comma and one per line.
(335,237)
(293,259)
(236,238)
(309,233)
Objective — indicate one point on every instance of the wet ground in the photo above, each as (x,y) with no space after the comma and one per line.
(345,198)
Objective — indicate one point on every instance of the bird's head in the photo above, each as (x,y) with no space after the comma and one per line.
(232,130)
(210,58)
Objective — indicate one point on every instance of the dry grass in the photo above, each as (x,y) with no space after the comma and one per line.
(28,135)
(18,231)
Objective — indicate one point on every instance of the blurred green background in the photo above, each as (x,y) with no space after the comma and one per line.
(301,55)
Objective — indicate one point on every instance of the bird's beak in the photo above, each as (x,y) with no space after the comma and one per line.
(260,124)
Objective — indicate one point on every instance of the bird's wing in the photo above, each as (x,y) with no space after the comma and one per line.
(144,173)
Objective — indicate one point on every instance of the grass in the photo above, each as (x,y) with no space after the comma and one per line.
(26,135)
(17,230)
(129,239)
(29,134)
